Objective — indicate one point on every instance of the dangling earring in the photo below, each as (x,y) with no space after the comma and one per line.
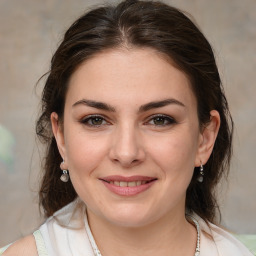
(201,176)
(64,177)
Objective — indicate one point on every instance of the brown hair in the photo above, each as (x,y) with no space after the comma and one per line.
(138,24)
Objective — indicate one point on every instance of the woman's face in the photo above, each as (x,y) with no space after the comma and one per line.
(131,136)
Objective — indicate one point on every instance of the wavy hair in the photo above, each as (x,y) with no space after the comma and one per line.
(137,24)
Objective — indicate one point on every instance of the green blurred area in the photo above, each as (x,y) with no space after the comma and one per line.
(249,241)
(7,142)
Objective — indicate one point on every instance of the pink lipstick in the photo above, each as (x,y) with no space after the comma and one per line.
(128,186)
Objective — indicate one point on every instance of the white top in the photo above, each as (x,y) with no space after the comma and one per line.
(64,234)
(67,233)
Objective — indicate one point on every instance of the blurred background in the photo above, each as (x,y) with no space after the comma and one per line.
(30,31)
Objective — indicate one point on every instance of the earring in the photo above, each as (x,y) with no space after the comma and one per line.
(64,177)
(201,176)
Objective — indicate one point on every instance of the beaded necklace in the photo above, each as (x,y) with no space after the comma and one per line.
(97,251)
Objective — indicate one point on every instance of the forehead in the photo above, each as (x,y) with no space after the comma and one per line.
(123,75)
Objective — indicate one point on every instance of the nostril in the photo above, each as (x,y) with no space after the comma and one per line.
(126,154)
(126,163)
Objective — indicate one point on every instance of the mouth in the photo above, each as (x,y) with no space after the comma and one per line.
(128,186)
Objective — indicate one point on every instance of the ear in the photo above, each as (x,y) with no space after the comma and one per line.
(57,130)
(207,138)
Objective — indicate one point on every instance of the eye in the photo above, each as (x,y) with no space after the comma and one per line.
(94,120)
(161,120)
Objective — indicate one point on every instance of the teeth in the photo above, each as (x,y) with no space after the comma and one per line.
(123,184)
(132,184)
(128,184)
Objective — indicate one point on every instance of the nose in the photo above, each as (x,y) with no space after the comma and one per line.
(127,148)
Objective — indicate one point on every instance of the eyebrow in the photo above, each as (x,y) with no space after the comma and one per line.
(160,104)
(143,108)
(95,104)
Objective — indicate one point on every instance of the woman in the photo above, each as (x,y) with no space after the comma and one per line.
(138,135)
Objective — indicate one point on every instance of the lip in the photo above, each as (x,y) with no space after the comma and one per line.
(128,191)
(127,179)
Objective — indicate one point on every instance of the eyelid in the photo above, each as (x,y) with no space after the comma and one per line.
(85,120)
(167,117)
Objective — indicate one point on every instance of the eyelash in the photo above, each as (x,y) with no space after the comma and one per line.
(93,117)
(167,120)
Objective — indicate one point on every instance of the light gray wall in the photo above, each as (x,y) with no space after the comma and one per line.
(29,33)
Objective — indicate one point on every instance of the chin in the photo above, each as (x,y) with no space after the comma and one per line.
(129,216)
(130,222)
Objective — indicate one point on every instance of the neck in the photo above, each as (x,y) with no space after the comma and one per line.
(165,236)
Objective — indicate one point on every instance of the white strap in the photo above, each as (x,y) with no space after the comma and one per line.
(2,250)
(41,250)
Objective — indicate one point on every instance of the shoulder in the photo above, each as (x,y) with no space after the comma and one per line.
(25,246)
(225,242)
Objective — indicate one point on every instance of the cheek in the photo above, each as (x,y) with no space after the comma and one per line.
(84,153)
(175,155)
